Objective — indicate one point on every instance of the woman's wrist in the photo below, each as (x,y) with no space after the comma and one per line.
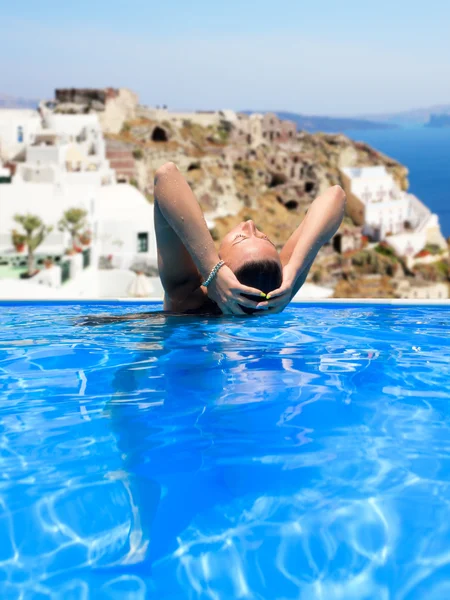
(207,265)
(292,270)
(213,273)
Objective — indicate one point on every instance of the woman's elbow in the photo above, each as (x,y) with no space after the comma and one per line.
(338,198)
(167,168)
(337,193)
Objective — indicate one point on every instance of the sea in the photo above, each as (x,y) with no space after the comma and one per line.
(426,153)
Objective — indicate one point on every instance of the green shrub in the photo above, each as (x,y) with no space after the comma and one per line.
(245,168)
(138,154)
(224,130)
(385,250)
(433,249)
(214,234)
(442,268)
(317,277)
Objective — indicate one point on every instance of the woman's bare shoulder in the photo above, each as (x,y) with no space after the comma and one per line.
(188,301)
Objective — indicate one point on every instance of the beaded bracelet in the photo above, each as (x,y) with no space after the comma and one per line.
(213,273)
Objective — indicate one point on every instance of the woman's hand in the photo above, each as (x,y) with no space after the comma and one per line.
(226,291)
(280,298)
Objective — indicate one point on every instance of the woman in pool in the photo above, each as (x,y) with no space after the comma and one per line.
(247,274)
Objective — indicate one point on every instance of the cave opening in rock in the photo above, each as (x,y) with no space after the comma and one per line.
(159,135)
(277,179)
(194,166)
(291,204)
(309,186)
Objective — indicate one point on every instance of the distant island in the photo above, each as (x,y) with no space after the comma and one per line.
(7,101)
(315,123)
(438,121)
(417,116)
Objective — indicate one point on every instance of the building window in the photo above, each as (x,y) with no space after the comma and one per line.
(142,242)
(20,134)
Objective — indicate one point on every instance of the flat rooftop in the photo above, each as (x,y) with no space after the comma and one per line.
(365,172)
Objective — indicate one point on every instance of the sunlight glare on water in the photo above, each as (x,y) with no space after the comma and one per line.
(304,455)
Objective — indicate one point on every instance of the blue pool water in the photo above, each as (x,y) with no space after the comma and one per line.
(304,455)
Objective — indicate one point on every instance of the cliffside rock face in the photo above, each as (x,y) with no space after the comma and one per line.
(334,152)
(272,182)
(119,108)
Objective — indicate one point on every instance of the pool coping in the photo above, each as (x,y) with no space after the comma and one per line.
(312,301)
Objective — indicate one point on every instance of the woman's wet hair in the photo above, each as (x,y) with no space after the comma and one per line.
(264,275)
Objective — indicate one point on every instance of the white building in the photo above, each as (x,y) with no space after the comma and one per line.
(204,118)
(5,174)
(68,149)
(65,167)
(422,290)
(248,129)
(17,130)
(311,291)
(375,201)
(124,226)
(119,216)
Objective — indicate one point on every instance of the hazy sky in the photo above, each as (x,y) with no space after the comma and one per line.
(315,57)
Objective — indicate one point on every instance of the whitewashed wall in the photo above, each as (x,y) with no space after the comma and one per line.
(10,121)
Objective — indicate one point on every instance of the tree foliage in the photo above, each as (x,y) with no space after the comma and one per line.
(73,221)
(35,233)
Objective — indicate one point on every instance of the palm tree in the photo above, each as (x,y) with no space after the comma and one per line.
(73,221)
(35,233)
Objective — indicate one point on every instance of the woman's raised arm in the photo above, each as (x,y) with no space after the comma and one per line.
(320,223)
(186,252)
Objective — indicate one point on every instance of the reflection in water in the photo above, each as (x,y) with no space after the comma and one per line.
(300,456)
(210,445)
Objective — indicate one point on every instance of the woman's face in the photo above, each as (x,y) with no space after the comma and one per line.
(245,243)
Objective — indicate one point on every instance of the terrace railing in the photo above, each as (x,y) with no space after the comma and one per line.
(86,257)
(65,271)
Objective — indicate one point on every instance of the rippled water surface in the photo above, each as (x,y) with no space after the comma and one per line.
(300,456)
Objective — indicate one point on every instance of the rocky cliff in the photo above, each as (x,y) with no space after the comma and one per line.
(272,183)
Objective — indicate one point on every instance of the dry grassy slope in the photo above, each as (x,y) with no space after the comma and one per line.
(270,216)
(365,288)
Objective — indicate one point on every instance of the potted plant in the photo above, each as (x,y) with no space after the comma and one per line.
(73,221)
(18,240)
(35,233)
(85,238)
